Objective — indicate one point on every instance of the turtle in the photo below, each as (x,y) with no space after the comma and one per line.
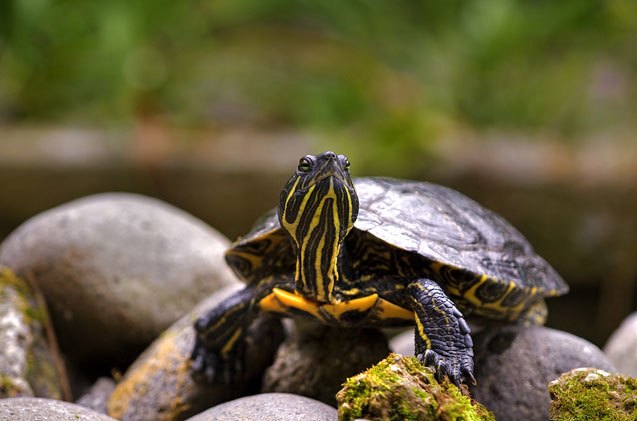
(376,252)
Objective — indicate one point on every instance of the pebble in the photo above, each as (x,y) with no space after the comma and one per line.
(97,396)
(621,346)
(403,343)
(38,409)
(269,407)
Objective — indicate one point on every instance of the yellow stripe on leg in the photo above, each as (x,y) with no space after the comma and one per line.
(421,332)
(230,344)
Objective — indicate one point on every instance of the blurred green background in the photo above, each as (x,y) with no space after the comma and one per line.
(395,72)
(528,106)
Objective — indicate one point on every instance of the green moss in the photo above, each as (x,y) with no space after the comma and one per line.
(400,388)
(9,279)
(15,289)
(9,388)
(26,302)
(5,383)
(585,394)
(40,370)
(36,314)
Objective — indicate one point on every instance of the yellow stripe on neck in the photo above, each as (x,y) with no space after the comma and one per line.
(331,273)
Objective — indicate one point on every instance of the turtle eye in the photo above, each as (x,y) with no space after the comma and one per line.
(305,165)
(344,161)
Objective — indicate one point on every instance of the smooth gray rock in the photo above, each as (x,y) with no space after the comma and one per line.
(159,385)
(621,347)
(97,396)
(38,409)
(269,407)
(515,364)
(316,359)
(116,270)
(403,343)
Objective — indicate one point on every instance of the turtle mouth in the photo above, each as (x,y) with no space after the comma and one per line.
(332,179)
(335,175)
(330,169)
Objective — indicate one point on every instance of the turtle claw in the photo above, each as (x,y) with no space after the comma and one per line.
(209,367)
(204,364)
(457,368)
(468,375)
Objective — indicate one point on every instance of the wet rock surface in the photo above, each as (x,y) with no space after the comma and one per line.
(621,347)
(159,385)
(116,270)
(514,364)
(593,394)
(315,360)
(30,364)
(269,407)
(401,388)
(38,409)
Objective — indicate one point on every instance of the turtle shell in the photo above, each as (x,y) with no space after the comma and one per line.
(440,224)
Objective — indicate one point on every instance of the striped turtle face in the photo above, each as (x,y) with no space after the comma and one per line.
(317,208)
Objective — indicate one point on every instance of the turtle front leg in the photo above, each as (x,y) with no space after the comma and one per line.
(218,354)
(443,339)
(220,343)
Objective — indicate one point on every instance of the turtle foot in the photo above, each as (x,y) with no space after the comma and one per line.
(458,368)
(209,367)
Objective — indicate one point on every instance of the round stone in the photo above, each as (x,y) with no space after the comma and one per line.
(269,407)
(622,345)
(514,365)
(36,409)
(315,360)
(159,385)
(403,343)
(117,269)
(96,398)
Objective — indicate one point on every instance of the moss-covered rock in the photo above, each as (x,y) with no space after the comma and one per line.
(30,364)
(400,388)
(593,394)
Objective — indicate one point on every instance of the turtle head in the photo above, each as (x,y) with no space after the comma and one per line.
(317,208)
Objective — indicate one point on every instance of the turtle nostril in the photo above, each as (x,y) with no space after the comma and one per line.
(330,155)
